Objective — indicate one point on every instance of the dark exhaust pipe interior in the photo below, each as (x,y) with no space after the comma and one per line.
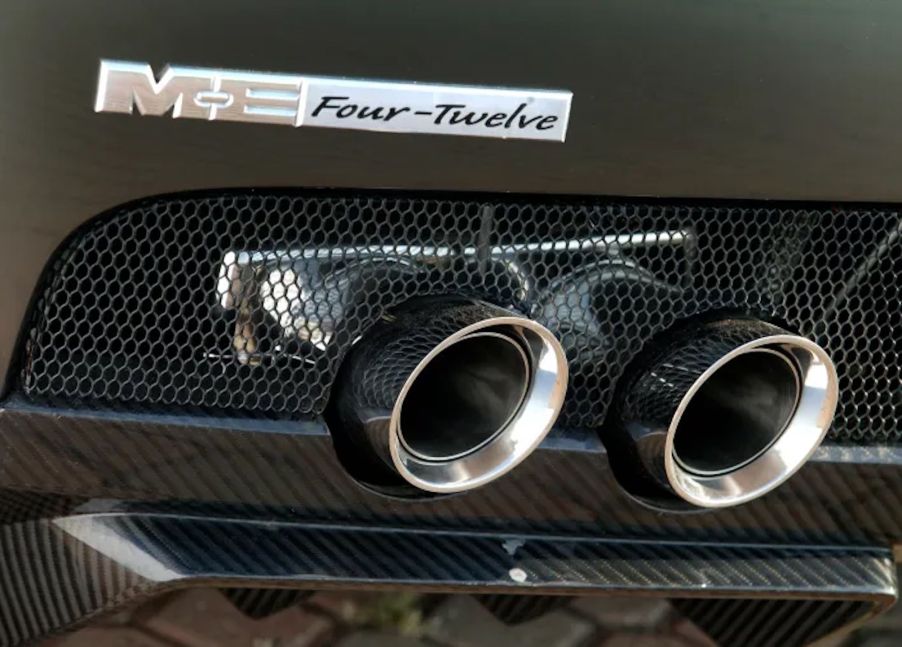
(464,397)
(737,413)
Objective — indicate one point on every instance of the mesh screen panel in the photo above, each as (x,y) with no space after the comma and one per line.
(248,302)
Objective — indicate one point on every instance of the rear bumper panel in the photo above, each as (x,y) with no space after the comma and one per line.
(757,99)
(109,461)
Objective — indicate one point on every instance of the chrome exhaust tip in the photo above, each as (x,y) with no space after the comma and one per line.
(451,395)
(740,407)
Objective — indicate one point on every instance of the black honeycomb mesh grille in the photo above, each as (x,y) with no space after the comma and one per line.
(248,302)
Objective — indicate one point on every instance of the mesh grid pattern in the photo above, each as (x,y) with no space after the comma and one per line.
(248,302)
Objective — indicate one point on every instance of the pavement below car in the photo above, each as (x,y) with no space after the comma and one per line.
(206,618)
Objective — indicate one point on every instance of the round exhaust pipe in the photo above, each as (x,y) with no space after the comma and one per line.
(450,394)
(726,412)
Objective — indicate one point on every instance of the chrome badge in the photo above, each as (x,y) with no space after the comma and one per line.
(383,106)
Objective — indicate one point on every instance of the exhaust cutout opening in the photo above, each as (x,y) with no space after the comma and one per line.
(737,413)
(464,396)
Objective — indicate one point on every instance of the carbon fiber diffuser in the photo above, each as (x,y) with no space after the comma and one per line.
(449,394)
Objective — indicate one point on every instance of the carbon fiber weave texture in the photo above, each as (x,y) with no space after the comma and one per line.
(278,470)
(57,573)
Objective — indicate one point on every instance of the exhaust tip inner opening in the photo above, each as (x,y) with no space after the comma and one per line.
(737,413)
(464,397)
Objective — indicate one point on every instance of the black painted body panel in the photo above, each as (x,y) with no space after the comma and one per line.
(751,99)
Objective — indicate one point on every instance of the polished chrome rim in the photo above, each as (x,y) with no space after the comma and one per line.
(522,428)
(793,439)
